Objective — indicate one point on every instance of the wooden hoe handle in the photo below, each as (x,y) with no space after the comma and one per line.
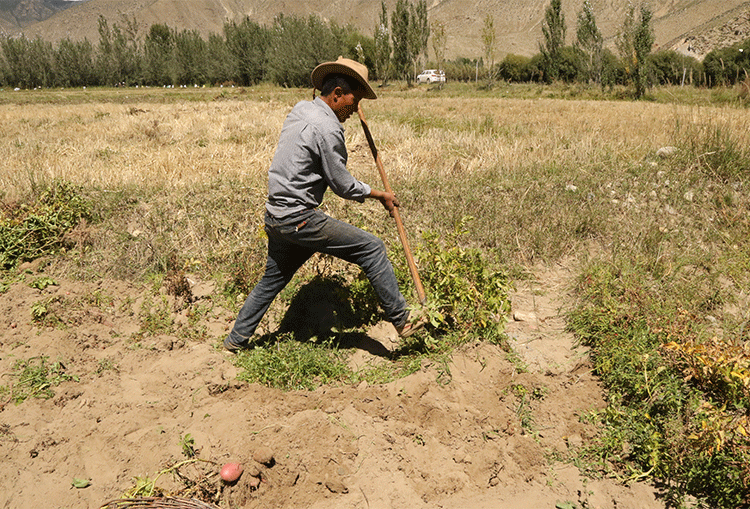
(396,215)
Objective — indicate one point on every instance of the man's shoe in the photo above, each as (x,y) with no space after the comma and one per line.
(233,348)
(410,328)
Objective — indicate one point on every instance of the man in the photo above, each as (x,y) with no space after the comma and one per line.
(311,157)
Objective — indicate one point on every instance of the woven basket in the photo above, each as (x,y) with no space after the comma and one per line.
(158,503)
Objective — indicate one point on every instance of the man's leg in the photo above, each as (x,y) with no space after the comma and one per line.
(283,261)
(330,236)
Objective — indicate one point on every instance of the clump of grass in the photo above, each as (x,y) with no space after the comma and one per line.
(717,151)
(36,378)
(291,365)
(525,398)
(156,318)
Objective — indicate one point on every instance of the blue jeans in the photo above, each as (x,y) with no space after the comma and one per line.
(292,240)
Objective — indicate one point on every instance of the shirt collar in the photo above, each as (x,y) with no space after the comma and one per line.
(320,103)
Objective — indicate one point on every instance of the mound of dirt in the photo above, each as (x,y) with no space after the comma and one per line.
(477,433)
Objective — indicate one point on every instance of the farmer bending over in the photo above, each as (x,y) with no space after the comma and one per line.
(310,157)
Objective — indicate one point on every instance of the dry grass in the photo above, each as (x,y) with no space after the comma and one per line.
(541,176)
(109,144)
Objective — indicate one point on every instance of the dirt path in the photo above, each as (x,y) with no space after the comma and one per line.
(487,436)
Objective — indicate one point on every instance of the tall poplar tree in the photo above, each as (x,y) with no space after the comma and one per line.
(410,31)
(489,40)
(643,43)
(589,40)
(400,37)
(382,38)
(634,42)
(553,30)
(439,40)
(419,31)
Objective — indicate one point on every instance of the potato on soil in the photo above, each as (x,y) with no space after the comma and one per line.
(230,472)
(264,455)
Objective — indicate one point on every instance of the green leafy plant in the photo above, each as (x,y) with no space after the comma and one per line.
(156,318)
(676,406)
(44,312)
(465,292)
(43,282)
(187,443)
(105,365)
(80,483)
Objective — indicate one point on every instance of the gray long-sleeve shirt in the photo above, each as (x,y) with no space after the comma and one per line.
(311,156)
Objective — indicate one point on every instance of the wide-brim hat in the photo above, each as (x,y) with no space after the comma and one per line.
(344,66)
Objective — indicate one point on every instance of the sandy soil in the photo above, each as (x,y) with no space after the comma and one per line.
(415,443)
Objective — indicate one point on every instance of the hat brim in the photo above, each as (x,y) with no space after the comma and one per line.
(320,72)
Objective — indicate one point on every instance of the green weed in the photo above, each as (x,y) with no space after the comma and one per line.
(156,318)
(195,327)
(645,348)
(36,378)
(105,365)
(44,313)
(187,444)
(291,365)
(43,282)
(524,410)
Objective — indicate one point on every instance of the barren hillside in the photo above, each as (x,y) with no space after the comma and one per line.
(676,22)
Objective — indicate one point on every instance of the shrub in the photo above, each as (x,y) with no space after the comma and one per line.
(672,68)
(30,231)
(464,292)
(515,68)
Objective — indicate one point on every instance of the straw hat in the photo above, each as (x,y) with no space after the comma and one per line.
(345,66)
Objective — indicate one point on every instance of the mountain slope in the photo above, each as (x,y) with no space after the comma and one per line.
(518,22)
(17,14)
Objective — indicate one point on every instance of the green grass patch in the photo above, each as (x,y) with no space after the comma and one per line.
(35,378)
(291,365)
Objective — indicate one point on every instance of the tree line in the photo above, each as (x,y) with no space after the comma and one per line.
(586,60)
(247,53)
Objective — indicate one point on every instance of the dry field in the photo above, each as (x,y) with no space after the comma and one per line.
(550,184)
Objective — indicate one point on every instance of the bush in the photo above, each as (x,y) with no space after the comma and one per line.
(676,406)
(672,68)
(727,66)
(461,69)
(515,68)
(464,292)
(30,231)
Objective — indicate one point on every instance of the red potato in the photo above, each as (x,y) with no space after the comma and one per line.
(230,472)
